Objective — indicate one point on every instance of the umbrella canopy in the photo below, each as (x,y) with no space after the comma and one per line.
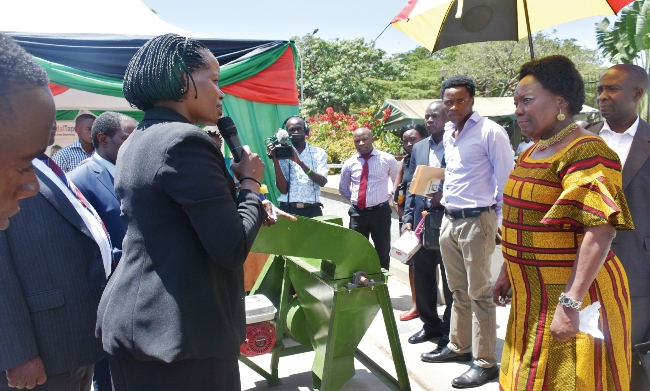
(438,24)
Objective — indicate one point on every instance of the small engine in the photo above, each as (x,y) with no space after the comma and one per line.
(260,339)
(260,331)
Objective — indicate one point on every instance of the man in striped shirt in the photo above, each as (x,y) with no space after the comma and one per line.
(69,157)
(365,182)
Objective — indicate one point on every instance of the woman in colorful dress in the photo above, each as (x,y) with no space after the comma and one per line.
(562,206)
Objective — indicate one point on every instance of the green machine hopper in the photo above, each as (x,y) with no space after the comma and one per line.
(327,285)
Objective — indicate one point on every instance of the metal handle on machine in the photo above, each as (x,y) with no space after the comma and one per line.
(360,279)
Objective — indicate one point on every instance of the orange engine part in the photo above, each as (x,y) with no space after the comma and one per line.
(260,339)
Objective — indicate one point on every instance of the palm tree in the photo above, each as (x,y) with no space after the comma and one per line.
(628,41)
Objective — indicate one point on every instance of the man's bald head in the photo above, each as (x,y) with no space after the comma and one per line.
(435,104)
(363,140)
(620,90)
(435,118)
(635,74)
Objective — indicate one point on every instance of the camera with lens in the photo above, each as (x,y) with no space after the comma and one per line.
(281,143)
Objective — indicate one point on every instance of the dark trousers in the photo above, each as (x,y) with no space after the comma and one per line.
(425,263)
(102,376)
(79,379)
(640,333)
(375,223)
(311,211)
(210,374)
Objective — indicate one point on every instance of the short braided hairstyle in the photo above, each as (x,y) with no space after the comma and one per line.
(18,70)
(161,70)
(558,75)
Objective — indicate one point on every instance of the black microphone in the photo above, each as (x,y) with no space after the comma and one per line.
(228,130)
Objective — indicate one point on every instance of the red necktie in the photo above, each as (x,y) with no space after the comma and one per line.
(363,184)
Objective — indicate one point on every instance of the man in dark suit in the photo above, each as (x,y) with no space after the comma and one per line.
(95,179)
(620,91)
(428,152)
(53,268)
(26,116)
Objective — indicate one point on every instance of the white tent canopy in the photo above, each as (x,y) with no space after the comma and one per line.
(127,17)
(115,17)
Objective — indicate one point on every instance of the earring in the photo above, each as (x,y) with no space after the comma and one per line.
(183,90)
(561,117)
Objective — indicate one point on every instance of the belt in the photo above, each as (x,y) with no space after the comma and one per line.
(300,205)
(374,206)
(467,213)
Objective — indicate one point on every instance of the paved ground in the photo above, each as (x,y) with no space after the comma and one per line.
(295,371)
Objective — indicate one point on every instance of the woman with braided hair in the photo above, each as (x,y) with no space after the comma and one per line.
(172,315)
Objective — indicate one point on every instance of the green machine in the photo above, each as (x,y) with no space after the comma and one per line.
(327,286)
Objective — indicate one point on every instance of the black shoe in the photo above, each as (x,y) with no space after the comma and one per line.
(442,343)
(475,376)
(423,336)
(445,355)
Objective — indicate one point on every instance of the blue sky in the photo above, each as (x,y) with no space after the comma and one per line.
(346,19)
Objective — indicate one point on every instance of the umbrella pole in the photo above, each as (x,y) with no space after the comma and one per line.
(530,37)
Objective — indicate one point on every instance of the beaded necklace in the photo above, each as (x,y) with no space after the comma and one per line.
(557,137)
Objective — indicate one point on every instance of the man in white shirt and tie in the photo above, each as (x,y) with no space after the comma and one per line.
(367,181)
(620,91)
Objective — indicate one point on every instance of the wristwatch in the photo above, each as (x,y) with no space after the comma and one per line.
(569,302)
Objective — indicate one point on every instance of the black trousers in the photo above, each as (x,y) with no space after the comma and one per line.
(102,376)
(210,374)
(425,263)
(312,211)
(375,223)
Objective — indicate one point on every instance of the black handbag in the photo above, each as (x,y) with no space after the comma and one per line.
(431,233)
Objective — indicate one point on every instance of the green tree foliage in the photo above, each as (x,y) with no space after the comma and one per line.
(629,40)
(344,74)
(423,79)
(494,66)
(349,75)
(332,131)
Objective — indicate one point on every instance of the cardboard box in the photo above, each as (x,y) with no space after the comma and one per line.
(404,247)
(426,180)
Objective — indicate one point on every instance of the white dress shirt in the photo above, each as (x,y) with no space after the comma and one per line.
(382,170)
(92,221)
(524,146)
(479,162)
(619,142)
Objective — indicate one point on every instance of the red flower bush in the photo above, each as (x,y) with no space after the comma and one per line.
(332,131)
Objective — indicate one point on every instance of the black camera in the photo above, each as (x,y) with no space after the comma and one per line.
(281,143)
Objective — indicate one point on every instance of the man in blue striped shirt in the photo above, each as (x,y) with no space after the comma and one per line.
(69,157)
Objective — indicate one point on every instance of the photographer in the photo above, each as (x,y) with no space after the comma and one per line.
(300,178)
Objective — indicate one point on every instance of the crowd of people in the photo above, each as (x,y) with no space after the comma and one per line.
(139,285)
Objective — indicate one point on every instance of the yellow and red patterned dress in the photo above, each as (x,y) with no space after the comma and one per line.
(547,202)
